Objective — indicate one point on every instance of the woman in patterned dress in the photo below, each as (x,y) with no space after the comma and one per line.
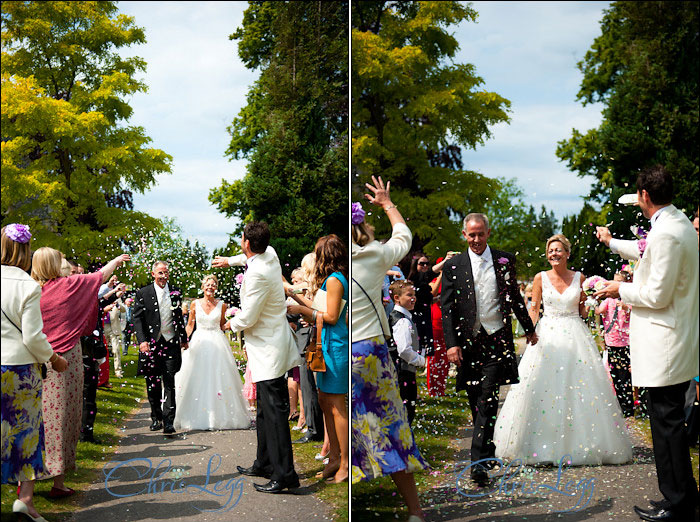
(24,349)
(69,308)
(382,441)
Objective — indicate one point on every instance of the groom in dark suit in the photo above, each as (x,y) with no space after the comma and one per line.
(160,331)
(479,292)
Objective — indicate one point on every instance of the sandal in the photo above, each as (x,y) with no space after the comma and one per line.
(60,493)
(293,417)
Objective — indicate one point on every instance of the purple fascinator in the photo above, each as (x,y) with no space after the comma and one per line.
(18,233)
(358,215)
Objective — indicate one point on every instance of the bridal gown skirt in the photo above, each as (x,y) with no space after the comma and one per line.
(208,388)
(564,403)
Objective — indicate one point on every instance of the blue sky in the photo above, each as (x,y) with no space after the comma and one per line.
(524,51)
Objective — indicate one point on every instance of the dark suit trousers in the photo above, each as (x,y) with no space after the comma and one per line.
(274,454)
(619,362)
(166,366)
(671,453)
(312,409)
(408,390)
(91,370)
(483,395)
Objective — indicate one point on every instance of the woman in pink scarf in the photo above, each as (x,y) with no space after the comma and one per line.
(69,310)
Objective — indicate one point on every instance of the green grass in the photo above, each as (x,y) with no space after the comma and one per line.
(113,406)
(437,423)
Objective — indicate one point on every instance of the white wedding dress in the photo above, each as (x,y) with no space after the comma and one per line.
(564,403)
(208,388)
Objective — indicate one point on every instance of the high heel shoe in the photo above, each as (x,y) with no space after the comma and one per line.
(21,507)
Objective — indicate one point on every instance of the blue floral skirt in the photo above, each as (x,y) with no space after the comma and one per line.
(382,440)
(22,426)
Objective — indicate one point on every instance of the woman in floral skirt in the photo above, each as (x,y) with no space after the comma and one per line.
(24,349)
(382,441)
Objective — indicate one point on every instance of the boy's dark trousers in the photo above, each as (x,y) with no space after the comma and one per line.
(619,363)
(408,389)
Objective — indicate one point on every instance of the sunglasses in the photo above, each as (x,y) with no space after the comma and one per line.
(423,263)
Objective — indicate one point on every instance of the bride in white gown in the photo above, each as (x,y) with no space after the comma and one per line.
(564,403)
(208,388)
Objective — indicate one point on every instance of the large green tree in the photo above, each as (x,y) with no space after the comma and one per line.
(293,130)
(69,161)
(644,69)
(413,109)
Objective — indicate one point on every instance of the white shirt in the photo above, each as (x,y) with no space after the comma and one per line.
(167,329)
(406,339)
(615,246)
(488,306)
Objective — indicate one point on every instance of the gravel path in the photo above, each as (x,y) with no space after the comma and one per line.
(168,480)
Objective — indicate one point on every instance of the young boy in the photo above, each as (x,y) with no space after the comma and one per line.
(405,338)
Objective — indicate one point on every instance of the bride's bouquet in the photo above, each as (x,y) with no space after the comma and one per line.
(590,286)
(231,312)
(593,284)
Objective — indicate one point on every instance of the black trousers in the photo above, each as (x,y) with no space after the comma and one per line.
(166,366)
(671,453)
(408,390)
(619,362)
(274,453)
(483,396)
(309,396)
(91,371)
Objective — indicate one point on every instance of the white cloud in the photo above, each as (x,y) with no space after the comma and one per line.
(527,52)
(196,86)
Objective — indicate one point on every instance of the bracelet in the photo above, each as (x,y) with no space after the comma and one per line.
(52,360)
(313,316)
(389,208)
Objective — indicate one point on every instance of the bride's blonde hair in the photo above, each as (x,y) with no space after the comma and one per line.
(207,278)
(562,239)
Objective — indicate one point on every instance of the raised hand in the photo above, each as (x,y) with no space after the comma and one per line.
(603,235)
(122,258)
(220,262)
(381,193)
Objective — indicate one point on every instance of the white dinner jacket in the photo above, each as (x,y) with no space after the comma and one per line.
(664,334)
(269,340)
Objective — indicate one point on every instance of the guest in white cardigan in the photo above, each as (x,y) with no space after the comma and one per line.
(24,348)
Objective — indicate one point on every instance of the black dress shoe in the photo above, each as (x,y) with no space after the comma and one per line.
(89,438)
(307,438)
(658,514)
(169,429)
(156,426)
(480,476)
(253,472)
(660,504)
(275,486)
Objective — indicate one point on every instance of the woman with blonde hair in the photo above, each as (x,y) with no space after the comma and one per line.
(69,308)
(330,276)
(24,349)
(564,405)
(208,387)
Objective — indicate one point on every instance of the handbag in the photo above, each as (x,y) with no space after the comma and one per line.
(314,350)
(42,366)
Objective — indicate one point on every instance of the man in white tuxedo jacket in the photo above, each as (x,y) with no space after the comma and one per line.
(664,334)
(272,352)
